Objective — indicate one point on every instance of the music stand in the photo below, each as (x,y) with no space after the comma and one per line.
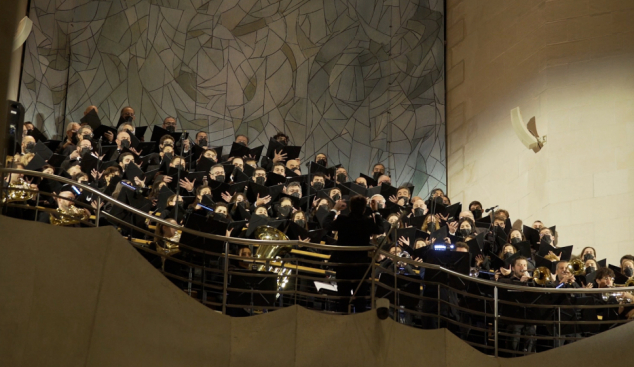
(248,281)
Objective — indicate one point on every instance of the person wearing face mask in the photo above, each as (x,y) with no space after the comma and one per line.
(465,229)
(294,189)
(335,194)
(476,208)
(588,253)
(221,213)
(293,165)
(217,173)
(591,266)
(377,171)
(342,175)
(627,266)
(419,208)
(546,237)
(318,182)
(321,159)
(402,196)
(28,145)
(516,236)
(259,176)
(127,115)
(299,217)
(284,208)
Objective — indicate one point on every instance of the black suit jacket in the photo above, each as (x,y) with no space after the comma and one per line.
(353,230)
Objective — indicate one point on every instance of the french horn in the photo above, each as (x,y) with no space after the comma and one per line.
(17,192)
(68,217)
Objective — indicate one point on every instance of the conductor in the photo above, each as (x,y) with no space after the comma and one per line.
(354,229)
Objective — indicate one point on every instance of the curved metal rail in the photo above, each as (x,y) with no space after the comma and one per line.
(210,275)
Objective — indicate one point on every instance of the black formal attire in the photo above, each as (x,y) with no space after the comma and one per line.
(353,230)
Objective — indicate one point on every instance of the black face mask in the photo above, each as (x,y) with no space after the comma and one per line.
(464,232)
(168,143)
(73,139)
(587,257)
(87,136)
(29,132)
(322,162)
(515,240)
(259,216)
(202,142)
(28,148)
(629,272)
(125,143)
(220,216)
(295,195)
(260,180)
(385,183)
(438,200)
(590,269)
(300,222)
(180,167)
(381,205)
(477,213)
(168,156)
(342,177)
(243,143)
(506,255)
(419,212)
(336,197)
(318,185)
(171,128)
(546,240)
(220,178)
(323,207)
(285,211)
(376,175)
(85,150)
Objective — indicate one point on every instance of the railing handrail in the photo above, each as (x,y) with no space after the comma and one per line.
(147,216)
(309,244)
(506,285)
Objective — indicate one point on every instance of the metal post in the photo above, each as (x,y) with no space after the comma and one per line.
(296,278)
(396,308)
(98,213)
(225,279)
(37,204)
(438,313)
(495,320)
(372,291)
(558,341)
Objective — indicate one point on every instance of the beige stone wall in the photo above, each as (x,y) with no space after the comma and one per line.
(569,63)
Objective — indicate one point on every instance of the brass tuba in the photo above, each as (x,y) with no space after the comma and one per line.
(18,192)
(542,275)
(269,233)
(68,217)
(577,267)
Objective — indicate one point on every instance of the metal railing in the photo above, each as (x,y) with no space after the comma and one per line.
(496,318)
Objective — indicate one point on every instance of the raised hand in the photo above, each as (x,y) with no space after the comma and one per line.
(186,184)
(226,196)
(403,241)
(453,227)
(262,201)
(393,199)
(109,136)
(96,175)
(279,157)
(340,205)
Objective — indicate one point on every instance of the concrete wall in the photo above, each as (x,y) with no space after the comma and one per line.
(569,63)
(85,297)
